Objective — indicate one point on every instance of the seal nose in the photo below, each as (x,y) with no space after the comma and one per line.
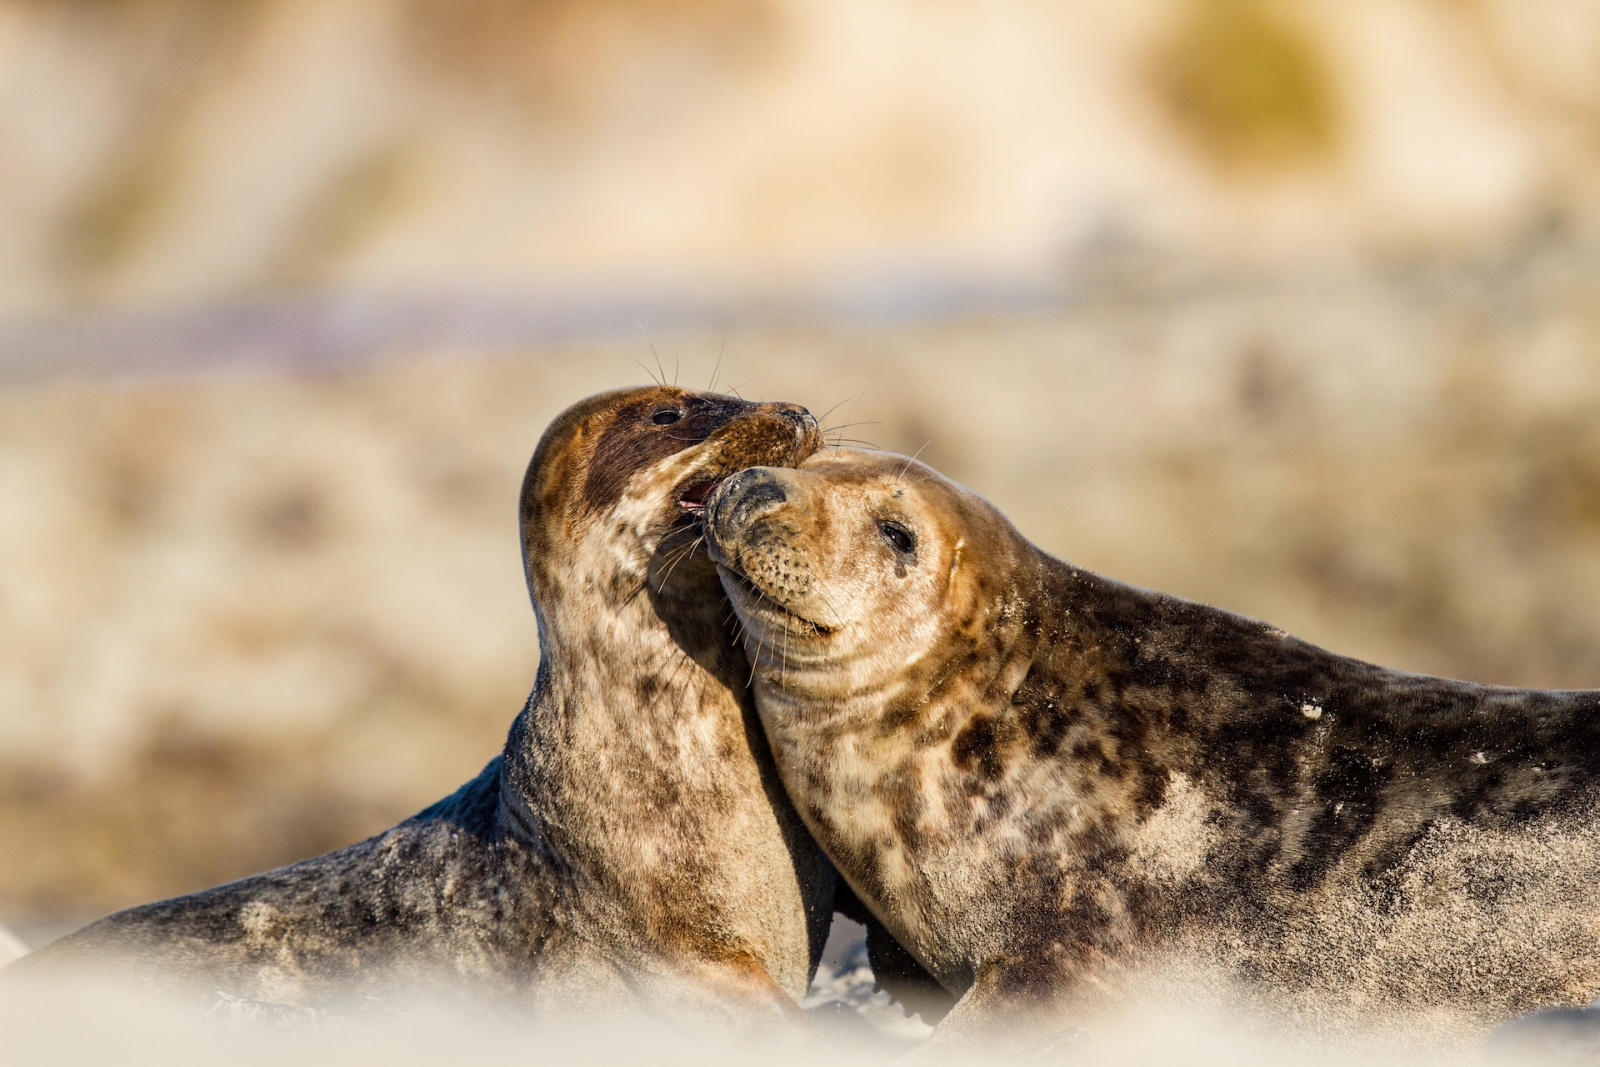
(743,499)
(803,420)
(796,413)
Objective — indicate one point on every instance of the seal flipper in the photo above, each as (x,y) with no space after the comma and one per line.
(399,912)
(894,970)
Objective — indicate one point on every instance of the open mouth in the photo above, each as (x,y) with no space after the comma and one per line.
(761,598)
(693,499)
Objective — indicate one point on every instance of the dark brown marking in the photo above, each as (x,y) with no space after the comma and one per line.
(631,442)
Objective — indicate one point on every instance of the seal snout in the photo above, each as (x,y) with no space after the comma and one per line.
(743,499)
(794,413)
(801,417)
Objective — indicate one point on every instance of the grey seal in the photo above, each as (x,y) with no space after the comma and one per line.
(631,849)
(1054,788)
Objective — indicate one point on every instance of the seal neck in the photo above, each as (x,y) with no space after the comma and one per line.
(636,695)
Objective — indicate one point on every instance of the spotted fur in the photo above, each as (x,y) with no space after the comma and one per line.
(1055,789)
(630,849)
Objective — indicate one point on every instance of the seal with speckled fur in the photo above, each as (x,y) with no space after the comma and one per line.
(631,849)
(1055,789)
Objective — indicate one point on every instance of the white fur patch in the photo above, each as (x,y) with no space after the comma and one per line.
(1173,843)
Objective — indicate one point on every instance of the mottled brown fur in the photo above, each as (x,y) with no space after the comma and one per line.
(1058,791)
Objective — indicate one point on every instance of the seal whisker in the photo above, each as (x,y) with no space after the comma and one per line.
(640,586)
(847,424)
(852,413)
(672,558)
(662,380)
(683,554)
(783,662)
(647,370)
(850,425)
(824,416)
(716,371)
(910,460)
(755,658)
(679,529)
(681,661)
(761,640)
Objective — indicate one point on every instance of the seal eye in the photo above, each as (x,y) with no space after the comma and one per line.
(899,538)
(666,417)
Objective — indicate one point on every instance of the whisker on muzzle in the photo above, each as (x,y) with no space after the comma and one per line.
(681,554)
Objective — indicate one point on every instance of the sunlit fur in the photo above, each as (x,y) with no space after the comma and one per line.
(631,850)
(1060,791)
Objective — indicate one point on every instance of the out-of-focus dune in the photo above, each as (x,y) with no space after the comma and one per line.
(181,150)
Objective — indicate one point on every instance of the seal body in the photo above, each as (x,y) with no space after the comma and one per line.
(1054,789)
(632,847)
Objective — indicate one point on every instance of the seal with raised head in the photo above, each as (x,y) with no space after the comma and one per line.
(1054,788)
(631,848)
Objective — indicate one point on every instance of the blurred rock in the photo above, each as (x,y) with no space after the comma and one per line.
(11,947)
(1563,1036)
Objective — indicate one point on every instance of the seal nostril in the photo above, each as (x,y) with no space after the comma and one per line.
(799,416)
(745,498)
(761,497)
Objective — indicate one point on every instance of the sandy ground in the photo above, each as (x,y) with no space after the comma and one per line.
(44,1024)
(841,999)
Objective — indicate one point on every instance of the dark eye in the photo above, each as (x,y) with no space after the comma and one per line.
(899,538)
(666,417)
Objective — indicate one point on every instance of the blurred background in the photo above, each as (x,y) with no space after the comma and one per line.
(1288,305)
